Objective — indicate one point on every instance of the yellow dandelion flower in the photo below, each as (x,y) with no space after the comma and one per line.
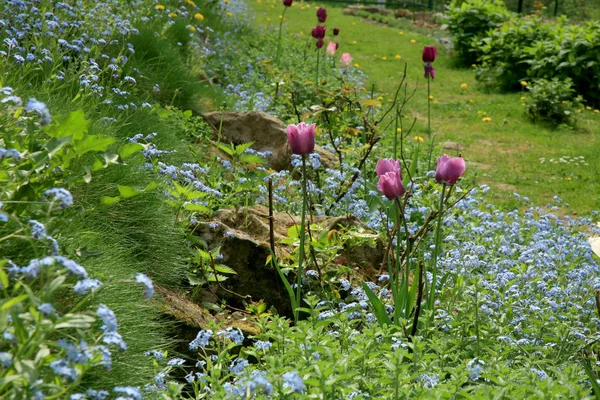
(398,57)
(413,41)
(470,100)
(486,119)
(229,14)
(597,111)
(192,28)
(355,65)
(588,108)
(384,58)
(568,178)
(522,98)
(523,83)
(281,17)
(579,110)
(398,130)
(172,15)
(464,86)
(474,65)
(190,3)
(268,19)
(564,102)
(159,7)
(354,42)
(430,97)
(225,1)
(401,33)
(199,17)
(419,139)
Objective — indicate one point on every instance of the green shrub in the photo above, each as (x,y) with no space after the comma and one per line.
(552,101)
(471,21)
(504,60)
(572,53)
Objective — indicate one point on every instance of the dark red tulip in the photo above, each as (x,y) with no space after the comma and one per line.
(318,32)
(321,14)
(287,3)
(336,31)
(320,43)
(429,54)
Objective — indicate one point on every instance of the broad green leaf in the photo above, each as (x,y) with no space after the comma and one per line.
(3,278)
(224,269)
(187,114)
(252,159)
(128,191)
(130,149)
(196,207)
(92,143)
(56,144)
(106,200)
(74,124)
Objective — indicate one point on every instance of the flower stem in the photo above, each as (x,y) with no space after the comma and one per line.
(302,222)
(396,135)
(428,106)
(279,39)
(436,250)
(318,59)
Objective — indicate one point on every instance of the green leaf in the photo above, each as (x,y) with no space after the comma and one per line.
(378,306)
(107,201)
(128,191)
(13,302)
(195,280)
(56,144)
(240,149)
(252,159)
(130,149)
(3,278)
(224,269)
(79,321)
(74,124)
(196,207)
(227,149)
(92,143)
(187,114)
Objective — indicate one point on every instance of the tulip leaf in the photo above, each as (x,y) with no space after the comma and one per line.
(378,306)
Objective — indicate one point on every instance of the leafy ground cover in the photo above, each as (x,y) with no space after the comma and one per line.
(508,152)
(109,172)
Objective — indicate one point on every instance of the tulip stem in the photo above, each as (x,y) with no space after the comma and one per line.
(302,223)
(429,106)
(436,250)
(318,59)
(396,135)
(279,39)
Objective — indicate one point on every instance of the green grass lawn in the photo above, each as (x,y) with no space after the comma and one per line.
(502,147)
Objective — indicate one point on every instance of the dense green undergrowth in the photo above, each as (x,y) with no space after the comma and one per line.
(117,126)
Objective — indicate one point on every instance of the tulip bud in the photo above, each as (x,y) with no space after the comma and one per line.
(346,60)
(301,138)
(336,31)
(449,169)
(390,178)
(319,43)
(331,48)
(429,54)
(287,3)
(318,32)
(321,14)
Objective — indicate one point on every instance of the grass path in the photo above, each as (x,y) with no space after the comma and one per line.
(507,152)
